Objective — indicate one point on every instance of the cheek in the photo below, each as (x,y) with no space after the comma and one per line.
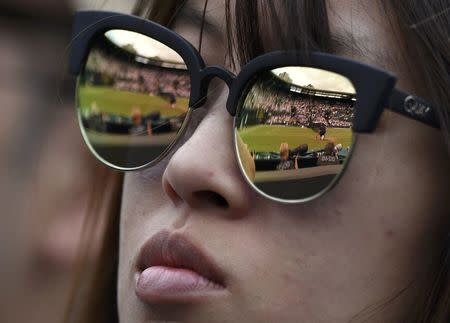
(375,232)
(142,195)
(142,191)
(399,171)
(396,187)
(393,204)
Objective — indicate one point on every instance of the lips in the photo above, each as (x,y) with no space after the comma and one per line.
(171,268)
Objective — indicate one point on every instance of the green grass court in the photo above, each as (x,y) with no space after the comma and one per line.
(268,138)
(258,138)
(121,103)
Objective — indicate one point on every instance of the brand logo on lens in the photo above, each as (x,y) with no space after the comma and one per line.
(414,107)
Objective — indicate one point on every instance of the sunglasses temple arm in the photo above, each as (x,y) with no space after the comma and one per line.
(413,107)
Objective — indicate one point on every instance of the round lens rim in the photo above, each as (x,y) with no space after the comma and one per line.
(180,134)
(277,199)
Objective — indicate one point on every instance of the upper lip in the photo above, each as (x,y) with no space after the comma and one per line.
(172,249)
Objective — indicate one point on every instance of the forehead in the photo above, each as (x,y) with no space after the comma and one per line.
(215,9)
(360,29)
(194,16)
(362,21)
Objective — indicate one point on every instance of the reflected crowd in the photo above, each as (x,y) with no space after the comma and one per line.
(300,107)
(131,76)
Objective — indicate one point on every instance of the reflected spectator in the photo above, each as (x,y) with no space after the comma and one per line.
(329,157)
(246,158)
(286,163)
(138,127)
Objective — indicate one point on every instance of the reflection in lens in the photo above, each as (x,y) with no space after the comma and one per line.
(296,123)
(133,97)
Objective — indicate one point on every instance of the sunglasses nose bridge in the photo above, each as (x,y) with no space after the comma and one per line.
(210,72)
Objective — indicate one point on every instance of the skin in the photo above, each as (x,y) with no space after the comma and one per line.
(358,253)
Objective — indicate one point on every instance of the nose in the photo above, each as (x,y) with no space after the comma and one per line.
(203,172)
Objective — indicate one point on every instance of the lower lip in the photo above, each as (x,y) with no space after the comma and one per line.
(167,284)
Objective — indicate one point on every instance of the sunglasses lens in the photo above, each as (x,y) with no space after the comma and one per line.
(294,131)
(132,98)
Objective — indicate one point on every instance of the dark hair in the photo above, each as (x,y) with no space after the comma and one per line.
(424,29)
(329,149)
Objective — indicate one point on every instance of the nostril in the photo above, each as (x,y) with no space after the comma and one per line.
(212,198)
(171,193)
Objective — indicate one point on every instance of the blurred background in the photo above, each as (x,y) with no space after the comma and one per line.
(45,169)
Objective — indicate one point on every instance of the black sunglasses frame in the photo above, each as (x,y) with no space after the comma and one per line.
(374,87)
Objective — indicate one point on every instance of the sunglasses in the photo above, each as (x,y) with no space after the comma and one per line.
(296,114)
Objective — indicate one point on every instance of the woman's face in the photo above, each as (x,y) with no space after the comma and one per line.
(358,253)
